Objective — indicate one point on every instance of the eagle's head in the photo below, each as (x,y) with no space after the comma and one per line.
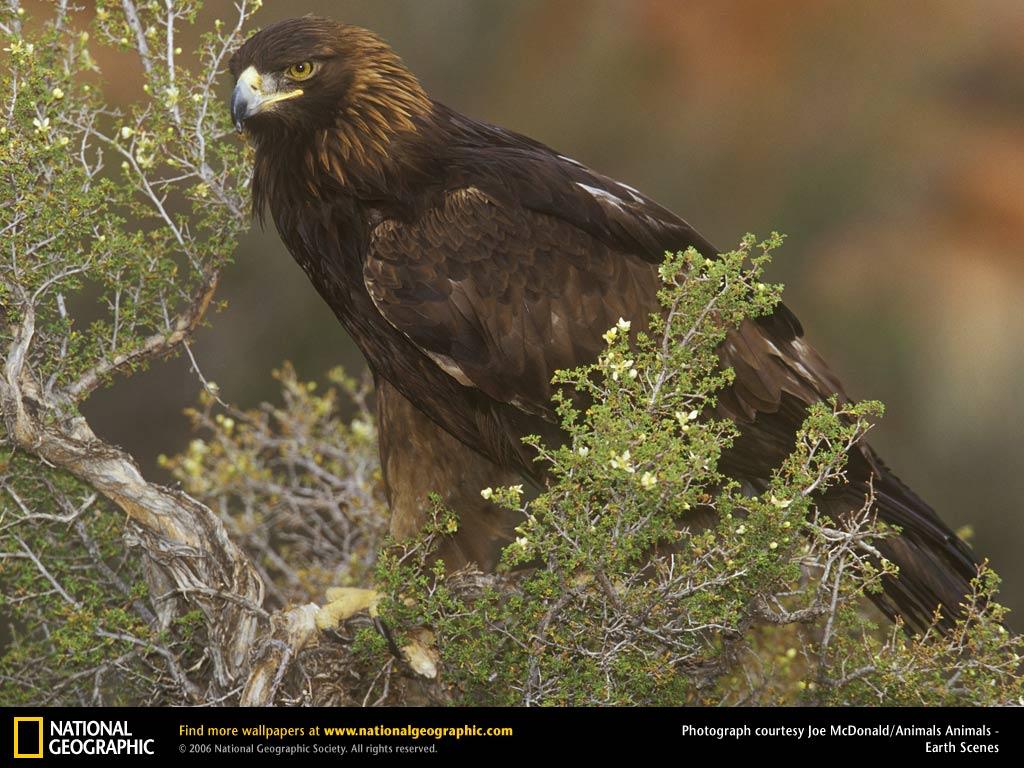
(300,76)
(327,98)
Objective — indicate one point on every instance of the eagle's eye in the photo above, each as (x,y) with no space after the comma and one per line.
(301,71)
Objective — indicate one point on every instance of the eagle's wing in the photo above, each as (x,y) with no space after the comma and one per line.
(502,296)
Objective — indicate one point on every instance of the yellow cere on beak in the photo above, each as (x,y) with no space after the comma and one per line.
(255,93)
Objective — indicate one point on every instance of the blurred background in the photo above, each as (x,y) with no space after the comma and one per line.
(885,139)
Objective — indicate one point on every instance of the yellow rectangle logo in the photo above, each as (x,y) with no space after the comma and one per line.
(37,745)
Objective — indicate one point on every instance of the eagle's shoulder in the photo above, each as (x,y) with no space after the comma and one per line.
(451,205)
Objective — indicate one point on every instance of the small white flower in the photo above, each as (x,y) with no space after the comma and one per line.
(741,530)
(516,489)
(583,450)
(623,461)
(781,503)
(773,545)
(623,325)
(57,93)
(126,132)
(487,493)
(620,366)
(523,542)
(649,480)
(609,335)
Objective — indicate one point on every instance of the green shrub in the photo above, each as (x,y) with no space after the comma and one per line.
(643,575)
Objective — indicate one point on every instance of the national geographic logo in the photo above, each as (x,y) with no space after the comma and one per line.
(76,737)
(28,737)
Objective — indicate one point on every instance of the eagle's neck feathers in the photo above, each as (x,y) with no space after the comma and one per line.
(385,104)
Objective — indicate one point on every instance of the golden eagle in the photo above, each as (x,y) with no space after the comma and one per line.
(469,263)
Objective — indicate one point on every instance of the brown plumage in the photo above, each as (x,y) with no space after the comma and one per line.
(469,263)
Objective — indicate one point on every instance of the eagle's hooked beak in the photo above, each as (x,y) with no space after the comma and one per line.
(255,93)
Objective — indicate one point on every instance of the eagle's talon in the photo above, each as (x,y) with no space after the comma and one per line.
(344,603)
(420,653)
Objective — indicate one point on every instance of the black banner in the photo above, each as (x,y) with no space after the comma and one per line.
(96,735)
